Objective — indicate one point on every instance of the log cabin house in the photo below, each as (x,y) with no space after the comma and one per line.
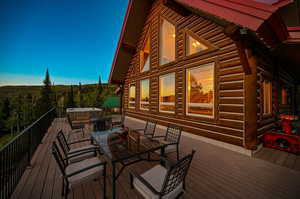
(222,70)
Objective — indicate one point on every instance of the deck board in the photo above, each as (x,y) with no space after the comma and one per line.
(215,173)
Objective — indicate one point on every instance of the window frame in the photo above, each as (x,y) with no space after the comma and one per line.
(270,99)
(148,36)
(159,90)
(213,116)
(130,102)
(140,100)
(210,46)
(283,89)
(161,18)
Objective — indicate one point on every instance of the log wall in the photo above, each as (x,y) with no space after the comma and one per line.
(228,124)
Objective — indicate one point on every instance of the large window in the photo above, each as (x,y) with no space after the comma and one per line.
(267,97)
(145,55)
(193,45)
(167,42)
(144,94)
(200,91)
(283,96)
(131,101)
(167,93)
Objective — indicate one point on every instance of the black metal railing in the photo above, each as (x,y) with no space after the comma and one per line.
(15,156)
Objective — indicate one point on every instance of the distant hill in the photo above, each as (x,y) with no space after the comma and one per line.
(14,91)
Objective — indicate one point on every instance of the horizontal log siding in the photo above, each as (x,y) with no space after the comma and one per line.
(228,125)
(266,71)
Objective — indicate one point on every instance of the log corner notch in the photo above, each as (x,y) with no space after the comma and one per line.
(173,5)
(242,40)
(234,32)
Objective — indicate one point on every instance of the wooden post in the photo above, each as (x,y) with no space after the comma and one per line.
(250,137)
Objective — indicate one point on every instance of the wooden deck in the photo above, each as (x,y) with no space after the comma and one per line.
(281,158)
(215,173)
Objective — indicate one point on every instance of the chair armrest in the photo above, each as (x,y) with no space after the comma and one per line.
(155,137)
(147,184)
(167,162)
(87,168)
(138,129)
(82,150)
(79,141)
(72,155)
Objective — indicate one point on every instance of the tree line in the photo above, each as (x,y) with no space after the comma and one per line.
(17,112)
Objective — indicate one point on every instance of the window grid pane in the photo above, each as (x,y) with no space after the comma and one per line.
(167,93)
(194,46)
(145,56)
(267,101)
(131,101)
(144,94)
(167,42)
(200,90)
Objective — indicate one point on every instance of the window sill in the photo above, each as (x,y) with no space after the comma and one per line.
(204,52)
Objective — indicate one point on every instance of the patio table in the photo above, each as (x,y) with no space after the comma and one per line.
(119,149)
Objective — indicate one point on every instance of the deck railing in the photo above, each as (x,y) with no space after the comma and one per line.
(16,155)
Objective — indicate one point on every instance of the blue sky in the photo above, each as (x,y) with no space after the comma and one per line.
(75,39)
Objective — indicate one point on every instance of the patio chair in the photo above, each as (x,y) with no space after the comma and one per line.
(163,182)
(79,173)
(149,130)
(75,128)
(119,124)
(76,154)
(171,139)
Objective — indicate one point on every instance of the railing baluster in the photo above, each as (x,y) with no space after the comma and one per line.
(16,155)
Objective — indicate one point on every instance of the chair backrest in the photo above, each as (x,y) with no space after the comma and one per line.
(70,122)
(150,128)
(108,123)
(62,141)
(173,133)
(176,174)
(123,118)
(59,159)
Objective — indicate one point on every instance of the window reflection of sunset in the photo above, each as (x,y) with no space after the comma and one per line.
(200,90)
(167,86)
(145,90)
(167,42)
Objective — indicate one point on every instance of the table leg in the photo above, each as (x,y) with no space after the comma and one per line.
(162,154)
(114,180)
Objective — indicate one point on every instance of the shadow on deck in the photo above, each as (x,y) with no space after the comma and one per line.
(215,173)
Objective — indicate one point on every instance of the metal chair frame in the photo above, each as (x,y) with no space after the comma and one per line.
(173,135)
(176,174)
(63,165)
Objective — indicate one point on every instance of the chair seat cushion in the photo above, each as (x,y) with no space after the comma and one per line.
(84,176)
(155,177)
(168,149)
(85,147)
(83,156)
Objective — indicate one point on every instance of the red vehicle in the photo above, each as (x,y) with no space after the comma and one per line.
(286,139)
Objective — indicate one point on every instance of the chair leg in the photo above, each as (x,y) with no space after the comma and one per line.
(131,180)
(177,150)
(104,182)
(63,188)
(66,190)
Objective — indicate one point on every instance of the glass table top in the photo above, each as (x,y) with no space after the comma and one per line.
(117,146)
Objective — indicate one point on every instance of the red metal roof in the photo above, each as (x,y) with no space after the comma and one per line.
(254,15)
(247,13)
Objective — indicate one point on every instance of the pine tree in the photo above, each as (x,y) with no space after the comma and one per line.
(70,99)
(45,101)
(5,113)
(81,104)
(98,99)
